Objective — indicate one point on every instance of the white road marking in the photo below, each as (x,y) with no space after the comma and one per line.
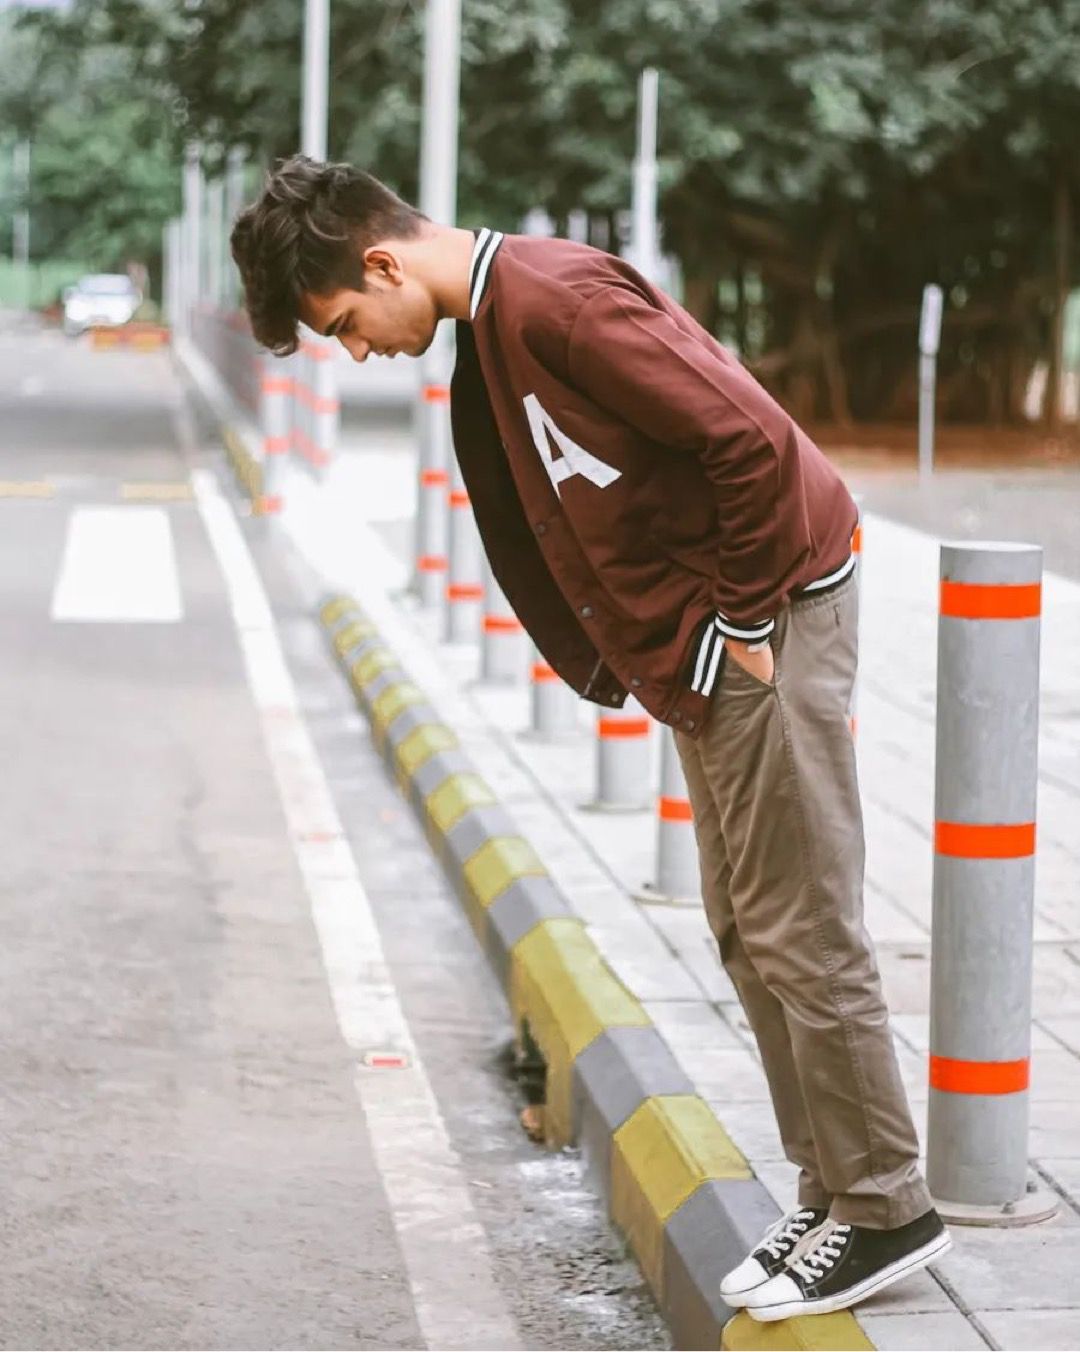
(119,564)
(458,1304)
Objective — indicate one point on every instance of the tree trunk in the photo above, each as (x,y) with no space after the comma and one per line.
(1062,242)
(699,294)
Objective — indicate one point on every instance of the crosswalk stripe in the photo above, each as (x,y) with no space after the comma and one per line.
(119,565)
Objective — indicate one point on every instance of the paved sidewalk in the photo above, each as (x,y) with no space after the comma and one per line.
(1018,1289)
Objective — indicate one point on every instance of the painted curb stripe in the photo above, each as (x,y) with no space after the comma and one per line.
(966,840)
(660,1156)
(805,1333)
(454,797)
(560,984)
(364,671)
(421,744)
(672,1146)
(979,1077)
(984,601)
(352,634)
(393,700)
(497,864)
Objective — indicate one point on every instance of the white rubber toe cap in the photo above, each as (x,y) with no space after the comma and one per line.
(778,1291)
(741,1281)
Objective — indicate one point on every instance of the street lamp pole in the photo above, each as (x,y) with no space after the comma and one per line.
(644,238)
(316,78)
(438,201)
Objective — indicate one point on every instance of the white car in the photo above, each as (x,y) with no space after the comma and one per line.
(108,299)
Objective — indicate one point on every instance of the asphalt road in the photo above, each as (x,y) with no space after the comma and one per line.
(187,1159)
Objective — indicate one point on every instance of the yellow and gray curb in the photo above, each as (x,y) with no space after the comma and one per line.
(675,1184)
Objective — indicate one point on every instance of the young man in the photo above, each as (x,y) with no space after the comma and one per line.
(662,527)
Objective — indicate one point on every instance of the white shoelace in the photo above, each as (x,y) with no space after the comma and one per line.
(813,1264)
(788,1230)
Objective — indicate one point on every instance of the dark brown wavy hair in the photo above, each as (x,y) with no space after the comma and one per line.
(307,234)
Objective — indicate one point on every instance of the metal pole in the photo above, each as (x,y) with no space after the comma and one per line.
(438,201)
(984,874)
(192,197)
(465,587)
(234,202)
(316,78)
(929,338)
(215,238)
(645,246)
(20,239)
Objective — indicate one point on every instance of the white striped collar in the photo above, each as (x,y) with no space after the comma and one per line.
(484,250)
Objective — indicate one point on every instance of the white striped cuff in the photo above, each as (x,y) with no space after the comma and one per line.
(748,633)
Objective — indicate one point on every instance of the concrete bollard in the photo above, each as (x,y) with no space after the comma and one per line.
(300,362)
(464,586)
(275,423)
(503,646)
(623,759)
(678,873)
(984,874)
(318,407)
(432,515)
(554,704)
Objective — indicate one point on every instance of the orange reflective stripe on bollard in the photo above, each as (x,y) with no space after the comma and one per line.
(979,1077)
(967,840)
(985,601)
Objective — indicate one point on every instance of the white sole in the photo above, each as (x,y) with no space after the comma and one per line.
(903,1267)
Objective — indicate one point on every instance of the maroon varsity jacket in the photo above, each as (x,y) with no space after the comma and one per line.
(638,493)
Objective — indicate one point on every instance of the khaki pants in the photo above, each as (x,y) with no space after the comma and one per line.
(776,806)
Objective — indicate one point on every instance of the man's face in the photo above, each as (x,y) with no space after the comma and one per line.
(394,313)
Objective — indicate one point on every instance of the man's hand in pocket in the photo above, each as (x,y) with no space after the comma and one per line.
(759,664)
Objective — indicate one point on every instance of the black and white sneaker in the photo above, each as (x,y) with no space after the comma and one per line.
(775,1247)
(845,1264)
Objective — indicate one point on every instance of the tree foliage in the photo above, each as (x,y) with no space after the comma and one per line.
(820,162)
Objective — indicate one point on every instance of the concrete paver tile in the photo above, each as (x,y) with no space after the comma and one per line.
(725,1075)
(1057,982)
(691,1023)
(985,1267)
(650,970)
(1064,1030)
(1032,1328)
(751,1126)
(921,1332)
(1054,1131)
(781,1178)
(1066,1173)
(917,1294)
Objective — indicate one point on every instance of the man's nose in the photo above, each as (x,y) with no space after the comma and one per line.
(357,348)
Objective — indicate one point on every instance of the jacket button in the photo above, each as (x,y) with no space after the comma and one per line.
(614,699)
(636,682)
(587,612)
(541,528)
(690,725)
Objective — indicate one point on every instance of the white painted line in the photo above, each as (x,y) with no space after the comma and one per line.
(119,565)
(458,1304)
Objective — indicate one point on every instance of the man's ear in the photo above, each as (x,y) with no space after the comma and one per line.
(384,263)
